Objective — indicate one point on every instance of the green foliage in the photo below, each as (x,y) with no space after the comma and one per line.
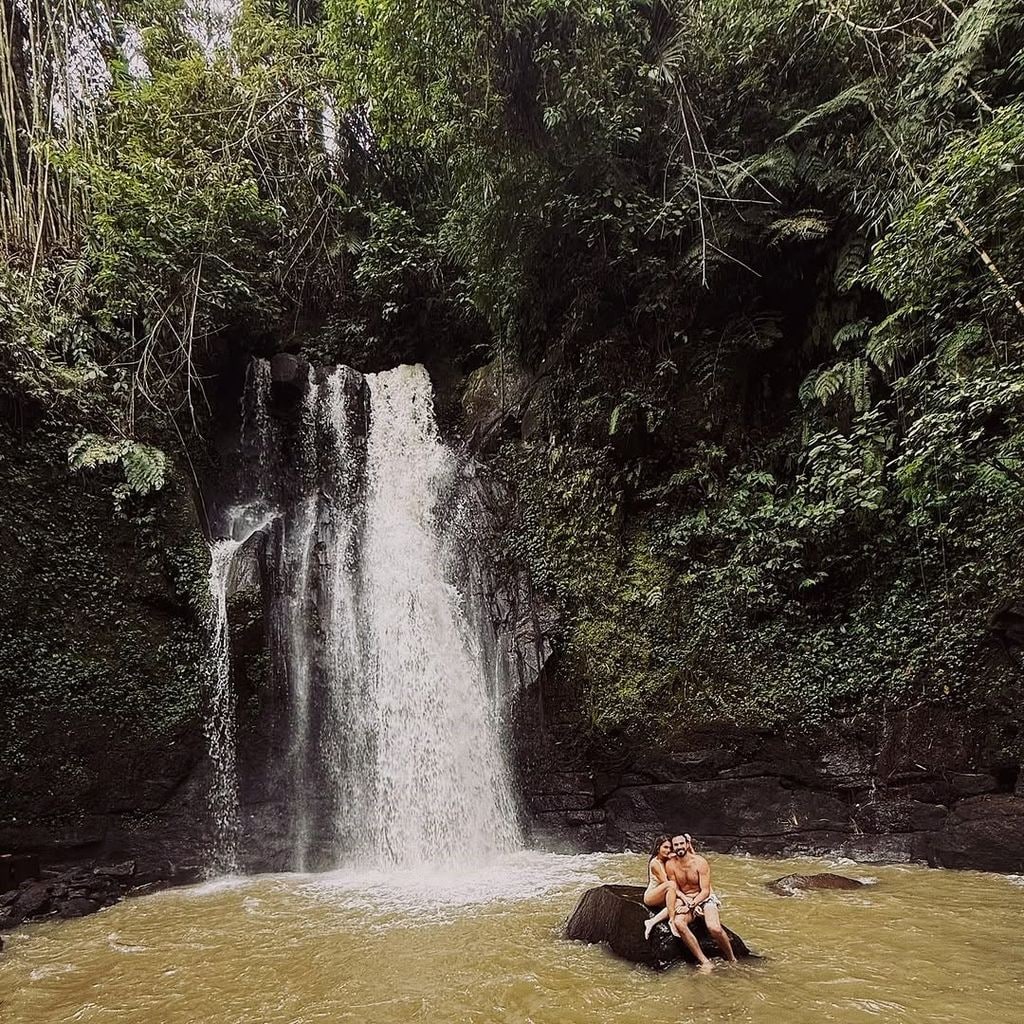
(107,645)
(754,267)
(145,467)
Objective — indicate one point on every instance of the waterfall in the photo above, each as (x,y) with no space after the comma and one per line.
(440,787)
(220,723)
(240,523)
(392,747)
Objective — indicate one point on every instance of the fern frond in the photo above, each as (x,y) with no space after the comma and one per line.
(980,25)
(806,393)
(827,386)
(890,339)
(805,226)
(858,384)
(851,378)
(955,345)
(775,169)
(92,450)
(850,263)
(849,333)
(752,334)
(854,100)
(144,466)
(613,421)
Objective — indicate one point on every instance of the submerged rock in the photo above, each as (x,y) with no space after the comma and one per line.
(615,914)
(789,885)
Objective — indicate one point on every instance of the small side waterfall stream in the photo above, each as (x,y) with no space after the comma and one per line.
(220,723)
(376,626)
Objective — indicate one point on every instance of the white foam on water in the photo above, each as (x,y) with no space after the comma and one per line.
(429,890)
(211,887)
(114,943)
(51,971)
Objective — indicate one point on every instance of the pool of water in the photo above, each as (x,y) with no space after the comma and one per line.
(485,945)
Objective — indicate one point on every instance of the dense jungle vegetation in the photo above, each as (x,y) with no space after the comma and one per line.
(735,289)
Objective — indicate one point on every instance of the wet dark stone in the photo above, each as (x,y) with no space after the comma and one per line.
(126,869)
(789,885)
(724,812)
(972,783)
(148,887)
(615,915)
(79,906)
(565,784)
(33,899)
(289,370)
(85,889)
(186,874)
(983,832)
(897,814)
(16,868)
(562,802)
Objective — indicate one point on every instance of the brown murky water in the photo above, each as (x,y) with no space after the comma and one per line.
(917,946)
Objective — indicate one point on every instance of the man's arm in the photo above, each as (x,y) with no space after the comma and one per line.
(704,874)
(673,874)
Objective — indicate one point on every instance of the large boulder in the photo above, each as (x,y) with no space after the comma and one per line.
(790,885)
(983,832)
(615,914)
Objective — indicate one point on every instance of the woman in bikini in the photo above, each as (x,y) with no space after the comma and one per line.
(661,891)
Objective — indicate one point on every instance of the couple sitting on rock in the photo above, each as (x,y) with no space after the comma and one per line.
(679,881)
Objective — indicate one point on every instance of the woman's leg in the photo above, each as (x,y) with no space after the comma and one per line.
(666,892)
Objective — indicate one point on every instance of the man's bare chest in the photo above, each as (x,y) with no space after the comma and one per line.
(686,876)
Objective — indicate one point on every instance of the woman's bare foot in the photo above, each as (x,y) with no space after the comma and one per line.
(649,926)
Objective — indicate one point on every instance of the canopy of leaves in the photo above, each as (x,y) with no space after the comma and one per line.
(755,268)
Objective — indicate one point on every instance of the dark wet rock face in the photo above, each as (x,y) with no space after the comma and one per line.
(17,868)
(84,889)
(789,885)
(615,915)
(924,787)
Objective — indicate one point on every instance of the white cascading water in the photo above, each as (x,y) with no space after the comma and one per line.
(242,522)
(394,747)
(440,785)
(220,723)
(346,747)
(295,565)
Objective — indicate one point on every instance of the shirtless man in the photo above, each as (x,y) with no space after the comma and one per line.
(692,876)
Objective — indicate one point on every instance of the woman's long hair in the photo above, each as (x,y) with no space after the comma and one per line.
(657,845)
